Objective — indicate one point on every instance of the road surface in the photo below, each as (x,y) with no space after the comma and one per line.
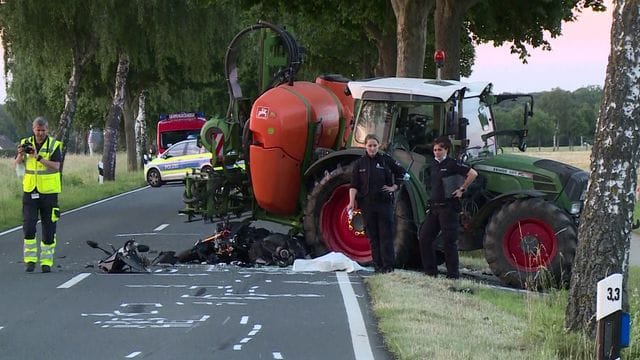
(181,312)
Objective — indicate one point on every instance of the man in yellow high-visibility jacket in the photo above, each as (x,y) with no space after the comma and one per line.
(40,154)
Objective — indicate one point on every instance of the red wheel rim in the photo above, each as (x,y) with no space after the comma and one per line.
(334,224)
(530,244)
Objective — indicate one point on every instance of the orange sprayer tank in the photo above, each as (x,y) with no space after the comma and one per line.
(282,121)
(337,84)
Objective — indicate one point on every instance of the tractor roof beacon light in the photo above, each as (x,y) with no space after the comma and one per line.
(438,58)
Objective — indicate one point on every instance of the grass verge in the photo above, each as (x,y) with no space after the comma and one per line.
(425,318)
(79,185)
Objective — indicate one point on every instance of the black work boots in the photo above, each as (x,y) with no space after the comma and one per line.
(30,266)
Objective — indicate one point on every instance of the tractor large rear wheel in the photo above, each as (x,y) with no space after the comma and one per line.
(531,244)
(326,223)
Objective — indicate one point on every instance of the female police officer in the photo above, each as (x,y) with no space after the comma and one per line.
(372,182)
(447,187)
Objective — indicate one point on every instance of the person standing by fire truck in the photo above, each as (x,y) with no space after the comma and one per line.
(40,155)
(372,183)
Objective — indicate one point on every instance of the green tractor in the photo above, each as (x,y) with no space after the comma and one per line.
(289,161)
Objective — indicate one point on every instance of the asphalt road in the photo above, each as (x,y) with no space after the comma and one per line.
(179,312)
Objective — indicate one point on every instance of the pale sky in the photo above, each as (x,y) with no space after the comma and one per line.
(578,58)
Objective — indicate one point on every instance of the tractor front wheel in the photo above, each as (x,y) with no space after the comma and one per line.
(531,243)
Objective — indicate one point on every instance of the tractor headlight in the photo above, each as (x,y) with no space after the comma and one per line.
(575,208)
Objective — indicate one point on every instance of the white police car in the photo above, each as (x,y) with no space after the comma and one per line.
(176,162)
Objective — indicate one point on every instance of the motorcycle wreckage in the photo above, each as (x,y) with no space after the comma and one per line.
(124,259)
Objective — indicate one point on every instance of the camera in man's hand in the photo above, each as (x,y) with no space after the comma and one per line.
(28,148)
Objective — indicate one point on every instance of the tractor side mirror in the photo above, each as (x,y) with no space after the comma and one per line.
(522,143)
(522,146)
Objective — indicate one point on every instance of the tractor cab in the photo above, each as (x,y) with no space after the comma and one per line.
(408,114)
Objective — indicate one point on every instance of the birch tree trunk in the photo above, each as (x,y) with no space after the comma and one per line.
(605,224)
(80,58)
(113,119)
(411,31)
(129,132)
(141,129)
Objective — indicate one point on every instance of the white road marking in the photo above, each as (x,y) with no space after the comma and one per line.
(161,227)
(76,279)
(155,286)
(133,354)
(136,234)
(237,347)
(245,340)
(359,336)
(255,330)
(244,320)
(277,355)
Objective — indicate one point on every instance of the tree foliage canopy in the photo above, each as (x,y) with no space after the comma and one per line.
(176,49)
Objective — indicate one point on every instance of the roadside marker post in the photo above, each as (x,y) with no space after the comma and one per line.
(612,324)
(100,172)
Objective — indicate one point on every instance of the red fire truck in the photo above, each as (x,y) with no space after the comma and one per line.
(173,128)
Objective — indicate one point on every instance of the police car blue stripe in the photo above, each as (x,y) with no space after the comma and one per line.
(182,165)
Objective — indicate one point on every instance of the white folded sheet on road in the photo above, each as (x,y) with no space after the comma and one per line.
(333,261)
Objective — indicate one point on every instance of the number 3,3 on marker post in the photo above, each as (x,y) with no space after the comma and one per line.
(609,298)
(612,331)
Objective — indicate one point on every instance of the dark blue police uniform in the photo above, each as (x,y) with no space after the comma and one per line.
(369,175)
(446,176)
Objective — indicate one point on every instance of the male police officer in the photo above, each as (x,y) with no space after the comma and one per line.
(41,185)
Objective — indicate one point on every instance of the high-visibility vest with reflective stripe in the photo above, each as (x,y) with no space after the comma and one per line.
(39,176)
